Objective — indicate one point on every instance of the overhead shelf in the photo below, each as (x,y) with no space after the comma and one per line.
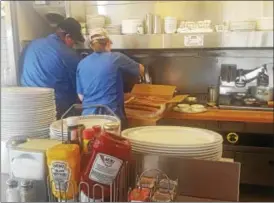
(255,39)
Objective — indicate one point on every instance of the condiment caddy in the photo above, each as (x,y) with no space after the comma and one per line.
(92,165)
(153,186)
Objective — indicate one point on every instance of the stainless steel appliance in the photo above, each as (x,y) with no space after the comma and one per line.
(245,89)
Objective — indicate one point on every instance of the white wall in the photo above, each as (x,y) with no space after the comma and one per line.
(8,67)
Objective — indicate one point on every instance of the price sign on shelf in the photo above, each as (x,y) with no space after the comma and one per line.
(194,40)
(40,2)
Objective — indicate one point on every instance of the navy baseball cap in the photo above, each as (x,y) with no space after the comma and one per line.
(72,27)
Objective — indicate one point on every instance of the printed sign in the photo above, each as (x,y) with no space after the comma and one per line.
(40,2)
(194,40)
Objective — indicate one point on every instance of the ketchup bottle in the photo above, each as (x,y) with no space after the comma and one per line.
(109,153)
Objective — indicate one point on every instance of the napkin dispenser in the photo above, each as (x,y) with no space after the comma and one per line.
(28,161)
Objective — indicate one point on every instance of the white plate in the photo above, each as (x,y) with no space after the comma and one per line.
(206,156)
(7,136)
(27,90)
(88,121)
(185,147)
(186,152)
(212,157)
(174,136)
(181,149)
(25,122)
(26,126)
(189,110)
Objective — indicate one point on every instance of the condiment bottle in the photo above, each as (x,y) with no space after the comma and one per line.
(27,191)
(81,129)
(139,195)
(89,137)
(109,153)
(112,128)
(64,166)
(73,131)
(12,192)
(97,129)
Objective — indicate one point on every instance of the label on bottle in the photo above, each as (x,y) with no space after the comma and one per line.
(105,168)
(74,134)
(61,173)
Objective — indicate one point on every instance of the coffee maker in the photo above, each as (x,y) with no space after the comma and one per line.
(245,89)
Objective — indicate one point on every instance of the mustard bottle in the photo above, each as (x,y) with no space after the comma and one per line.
(63,162)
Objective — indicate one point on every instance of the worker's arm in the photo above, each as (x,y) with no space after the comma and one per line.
(128,65)
(141,70)
(79,87)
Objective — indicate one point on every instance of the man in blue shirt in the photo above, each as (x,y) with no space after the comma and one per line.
(51,62)
(99,75)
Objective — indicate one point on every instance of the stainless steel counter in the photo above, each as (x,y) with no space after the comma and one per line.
(255,39)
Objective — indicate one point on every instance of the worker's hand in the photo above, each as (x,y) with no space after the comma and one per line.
(81,97)
(141,70)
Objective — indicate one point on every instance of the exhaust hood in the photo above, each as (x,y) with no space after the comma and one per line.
(52,11)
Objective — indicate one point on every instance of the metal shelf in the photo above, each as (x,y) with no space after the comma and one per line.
(255,39)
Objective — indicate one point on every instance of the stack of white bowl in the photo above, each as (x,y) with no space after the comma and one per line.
(170,25)
(95,21)
(27,111)
(175,141)
(87,121)
(130,26)
(113,29)
(264,23)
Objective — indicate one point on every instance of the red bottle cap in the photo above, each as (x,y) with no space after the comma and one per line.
(88,133)
(97,128)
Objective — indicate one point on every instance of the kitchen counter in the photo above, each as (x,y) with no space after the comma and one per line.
(225,115)
(254,130)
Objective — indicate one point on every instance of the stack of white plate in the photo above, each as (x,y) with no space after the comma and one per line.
(87,121)
(175,141)
(113,29)
(130,26)
(95,21)
(27,111)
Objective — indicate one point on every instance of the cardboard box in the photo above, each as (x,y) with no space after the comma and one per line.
(159,98)
(202,180)
(182,198)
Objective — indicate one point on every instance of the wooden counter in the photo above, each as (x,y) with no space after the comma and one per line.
(225,115)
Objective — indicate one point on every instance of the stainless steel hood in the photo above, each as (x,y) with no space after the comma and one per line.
(52,11)
(258,39)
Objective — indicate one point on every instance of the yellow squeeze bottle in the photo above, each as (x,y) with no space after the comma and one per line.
(63,162)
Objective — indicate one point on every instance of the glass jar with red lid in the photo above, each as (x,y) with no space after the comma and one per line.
(109,153)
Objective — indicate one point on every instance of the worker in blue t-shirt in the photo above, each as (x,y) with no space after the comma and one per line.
(99,76)
(51,62)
